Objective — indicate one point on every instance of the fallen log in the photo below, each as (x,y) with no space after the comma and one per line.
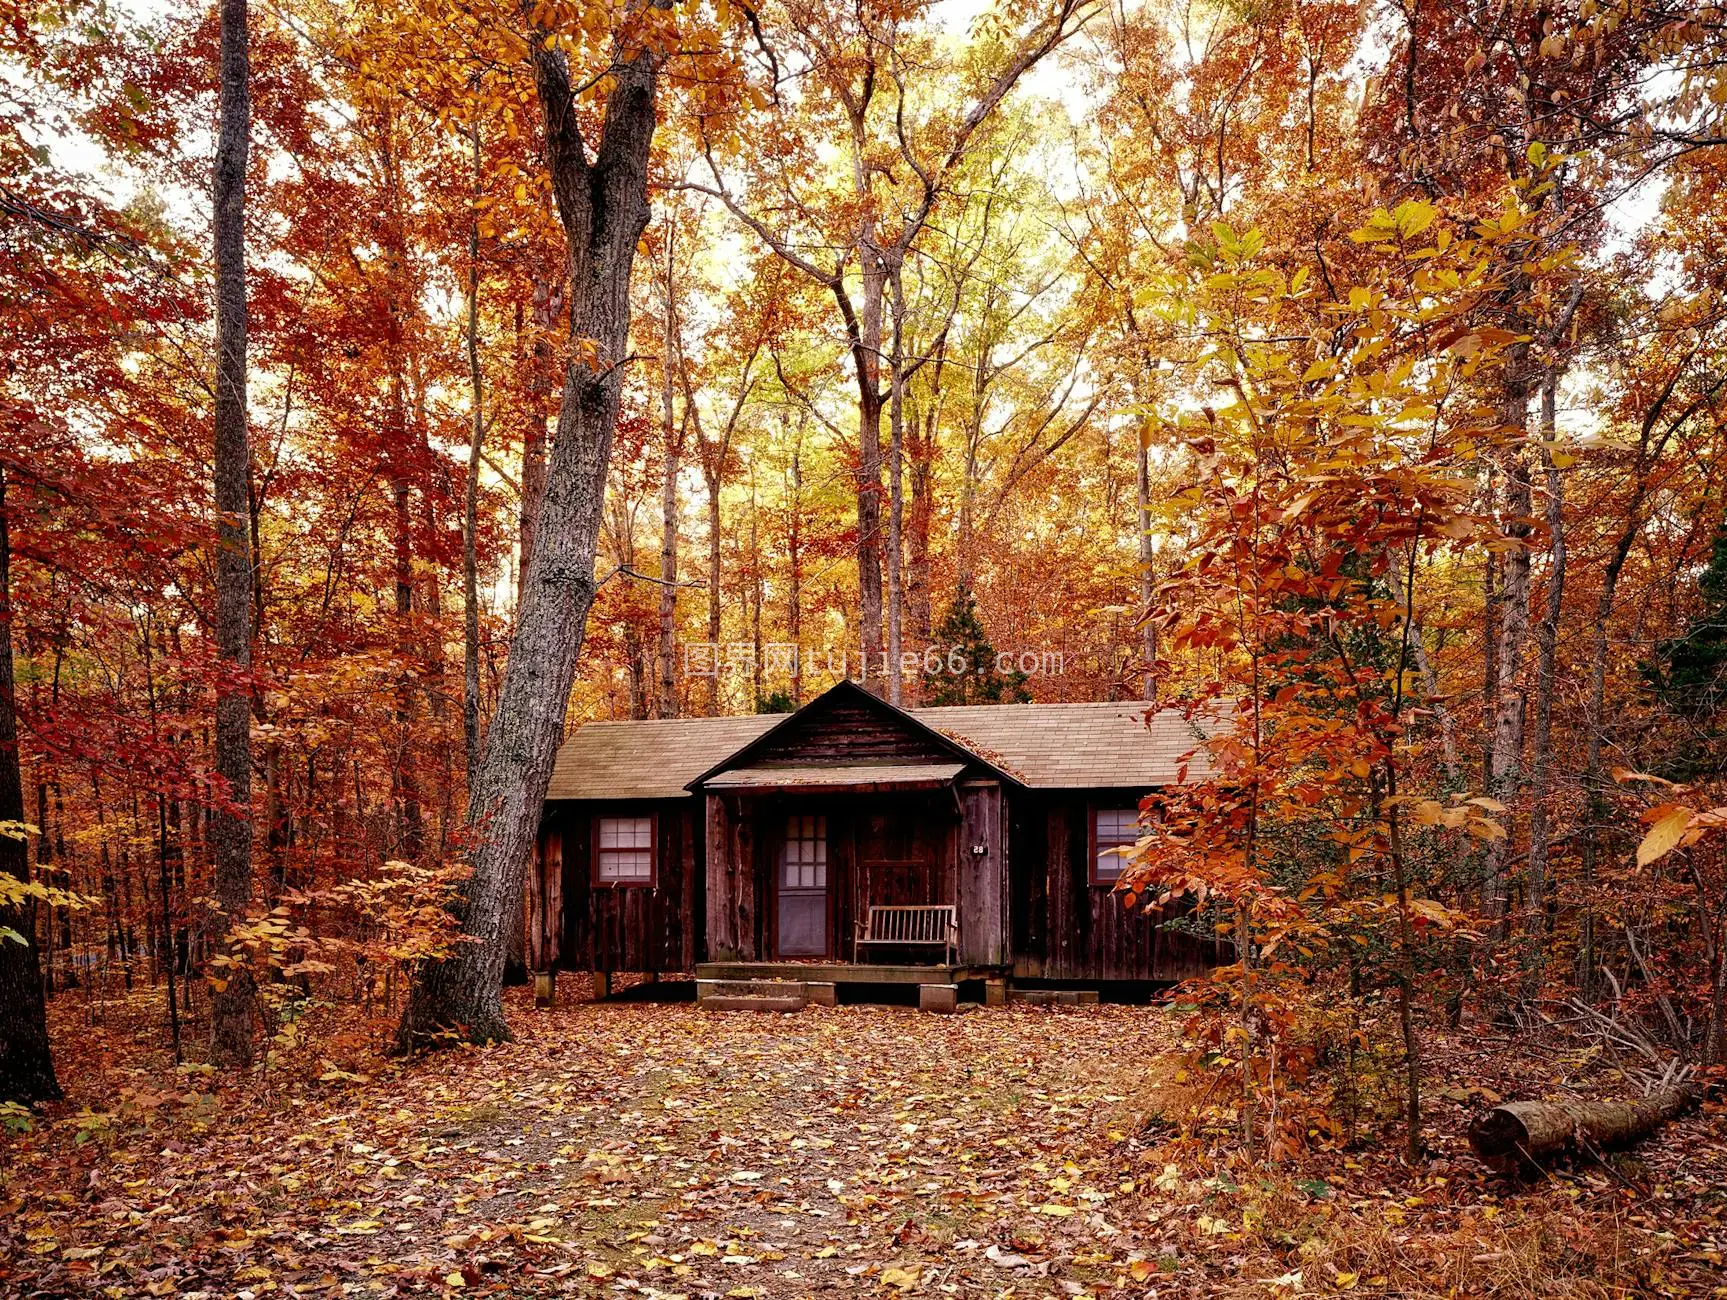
(1523,1134)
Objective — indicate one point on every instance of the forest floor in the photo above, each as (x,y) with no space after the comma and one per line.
(654,1150)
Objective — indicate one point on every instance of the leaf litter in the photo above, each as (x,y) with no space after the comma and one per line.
(651,1149)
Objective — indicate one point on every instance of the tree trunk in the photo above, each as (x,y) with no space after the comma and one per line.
(1505,766)
(1547,641)
(795,563)
(671,460)
(921,461)
(896,495)
(1523,1134)
(471,501)
(26,1065)
(758,592)
(1147,574)
(547,302)
(231,820)
(604,209)
(711,477)
(405,792)
(866,354)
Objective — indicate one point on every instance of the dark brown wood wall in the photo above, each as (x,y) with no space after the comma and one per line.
(984,938)
(733,913)
(1065,927)
(651,930)
(849,731)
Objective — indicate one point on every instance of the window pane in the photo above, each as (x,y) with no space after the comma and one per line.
(626,864)
(1117,825)
(626,832)
(1115,829)
(804,857)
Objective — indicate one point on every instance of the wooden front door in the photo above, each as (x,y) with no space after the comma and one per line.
(802,880)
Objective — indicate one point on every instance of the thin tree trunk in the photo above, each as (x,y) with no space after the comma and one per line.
(231,820)
(896,495)
(794,561)
(26,1063)
(673,450)
(866,352)
(757,592)
(604,209)
(471,501)
(1147,573)
(711,477)
(921,459)
(1506,755)
(1546,640)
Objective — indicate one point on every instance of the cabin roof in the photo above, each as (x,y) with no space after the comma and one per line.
(649,759)
(1048,746)
(1079,746)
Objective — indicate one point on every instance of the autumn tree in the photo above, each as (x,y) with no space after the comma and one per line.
(602,201)
(231,821)
(864,65)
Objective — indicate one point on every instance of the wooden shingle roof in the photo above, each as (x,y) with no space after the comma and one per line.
(1074,746)
(1051,746)
(651,759)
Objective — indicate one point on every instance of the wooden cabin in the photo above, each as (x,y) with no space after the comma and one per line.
(871,842)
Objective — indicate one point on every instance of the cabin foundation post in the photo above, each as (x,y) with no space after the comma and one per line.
(995,992)
(602,985)
(940,998)
(545,989)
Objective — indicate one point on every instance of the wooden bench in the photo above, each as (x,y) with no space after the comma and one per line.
(934,925)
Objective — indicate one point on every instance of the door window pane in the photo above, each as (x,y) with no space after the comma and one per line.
(804,859)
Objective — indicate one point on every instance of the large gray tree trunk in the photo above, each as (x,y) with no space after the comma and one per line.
(231,824)
(604,207)
(26,1067)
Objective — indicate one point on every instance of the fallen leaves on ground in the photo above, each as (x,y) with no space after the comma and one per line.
(655,1150)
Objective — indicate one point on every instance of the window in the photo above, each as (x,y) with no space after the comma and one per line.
(804,862)
(624,851)
(1113,831)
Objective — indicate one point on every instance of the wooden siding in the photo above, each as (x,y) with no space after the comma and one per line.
(1064,926)
(982,877)
(648,929)
(848,731)
(732,913)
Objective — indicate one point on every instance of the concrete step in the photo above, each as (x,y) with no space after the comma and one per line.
(760,988)
(943,999)
(1055,997)
(732,1002)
